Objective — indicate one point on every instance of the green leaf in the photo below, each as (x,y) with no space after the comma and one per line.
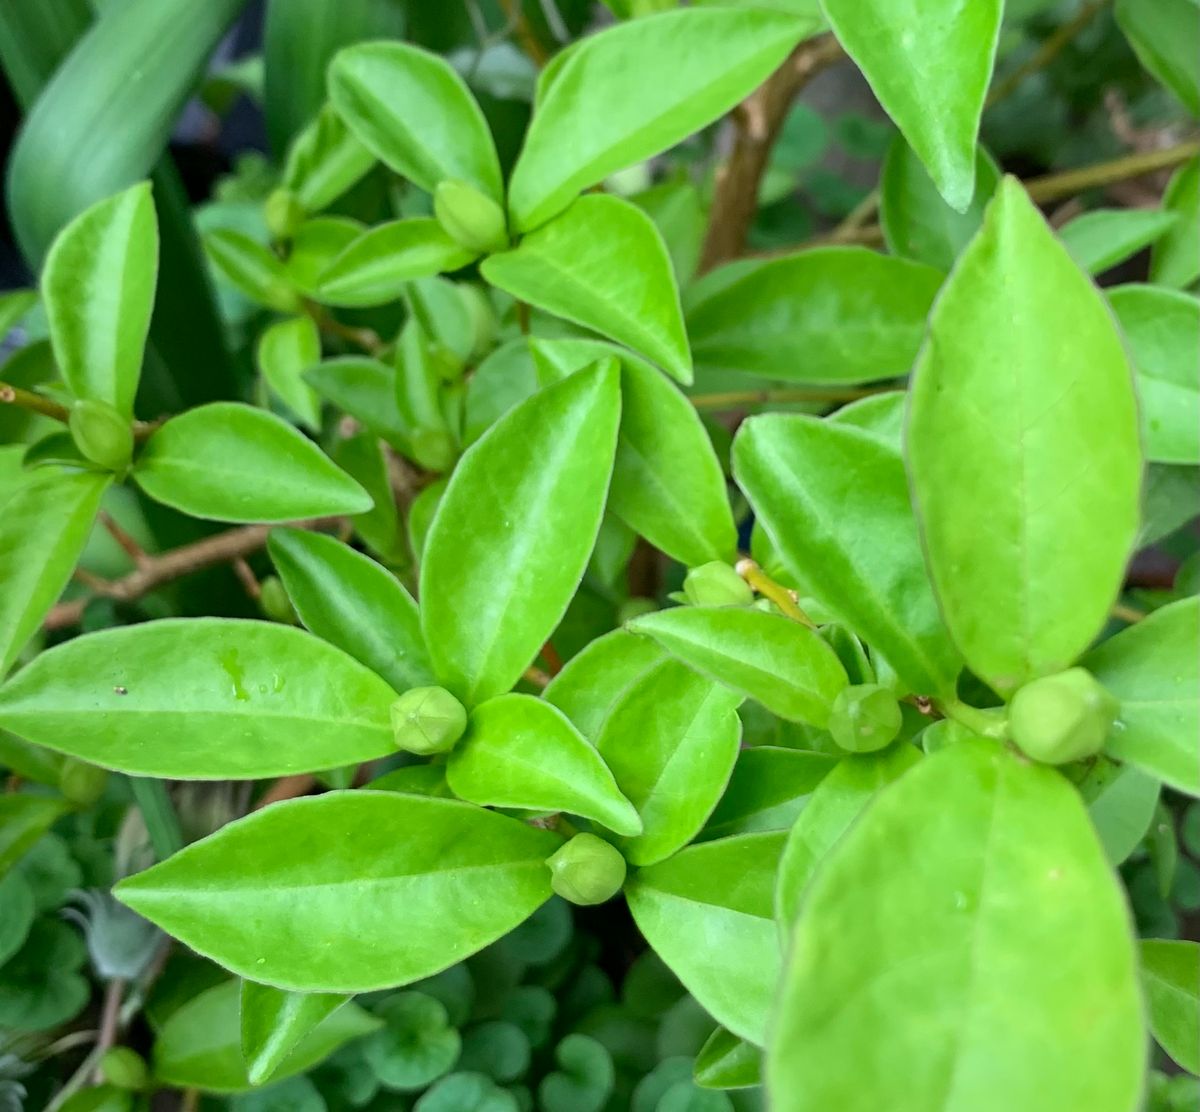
(505,377)
(229,462)
(769,787)
(1154,670)
(835,503)
(1165,35)
(41,986)
(16,896)
(325,159)
(1162,329)
(667,481)
(510,541)
(44,526)
(727,1062)
(364,388)
(584,1080)
(521,752)
(377,266)
(315,244)
(352,602)
(1175,260)
(937,108)
(363,457)
(98,287)
(1121,800)
(944,958)
(602,264)
(466,1092)
(917,222)
(273,1022)
(251,269)
(14,305)
(835,806)
(417,1044)
(707,912)
(671,741)
(1171,976)
(1022,447)
(830,315)
(1102,238)
(349,891)
(93,131)
(285,351)
(634,90)
(416,114)
(24,818)
(199,1044)
(881,415)
(779,662)
(201,699)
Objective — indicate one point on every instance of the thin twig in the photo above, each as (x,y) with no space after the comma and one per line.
(364,338)
(110,1023)
(759,581)
(168,566)
(1053,187)
(731,399)
(35,403)
(128,544)
(529,41)
(758,120)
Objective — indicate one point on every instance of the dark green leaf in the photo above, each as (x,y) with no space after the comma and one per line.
(325,159)
(1171,975)
(24,818)
(727,1062)
(1165,35)
(285,351)
(769,787)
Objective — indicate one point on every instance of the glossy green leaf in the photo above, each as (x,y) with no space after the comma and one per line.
(349,891)
(881,415)
(1175,260)
(201,699)
(377,266)
(274,1022)
(1162,329)
(199,1044)
(945,959)
(781,663)
(417,1044)
(1153,668)
(1121,800)
(98,287)
(251,269)
(835,805)
(41,985)
(315,244)
(1100,239)
(916,220)
(352,602)
(937,108)
(44,525)
(416,114)
(671,741)
(1023,446)
(602,264)
(364,458)
(830,315)
(727,1062)
(707,912)
(835,502)
(505,377)
(285,351)
(769,787)
(509,542)
(1165,35)
(229,462)
(1171,975)
(364,388)
(325,159)
(667,482)
(24,818)
(522,752)
(691,66)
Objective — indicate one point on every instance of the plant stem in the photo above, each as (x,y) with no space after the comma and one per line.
(1127,613)
(162,823)
(976,720)
(1053,187)
(110,1022)
(733,398)
(759,581)
(35,403)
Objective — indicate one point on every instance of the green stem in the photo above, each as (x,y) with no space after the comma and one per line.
(732,398)
(35,403)
(758,580)
(1052,187)
(158,813)
(975,720)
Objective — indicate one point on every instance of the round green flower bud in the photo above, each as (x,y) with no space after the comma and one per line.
(124,1068)
(428,720)
(587,870)
(101,434)
(864,718)
(283,214)
(469,217)
(80,782)
(1062,718)
(716,584)
(274,602)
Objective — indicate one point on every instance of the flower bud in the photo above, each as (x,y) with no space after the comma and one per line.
(1062,718)
(428,720)
(864,718)
(716,584)
(283,214)
(469,217)
(124,1068)
(101,434)
(80,782)
(274,602)
(587,870)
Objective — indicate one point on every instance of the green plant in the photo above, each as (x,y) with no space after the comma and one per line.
(878,795)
